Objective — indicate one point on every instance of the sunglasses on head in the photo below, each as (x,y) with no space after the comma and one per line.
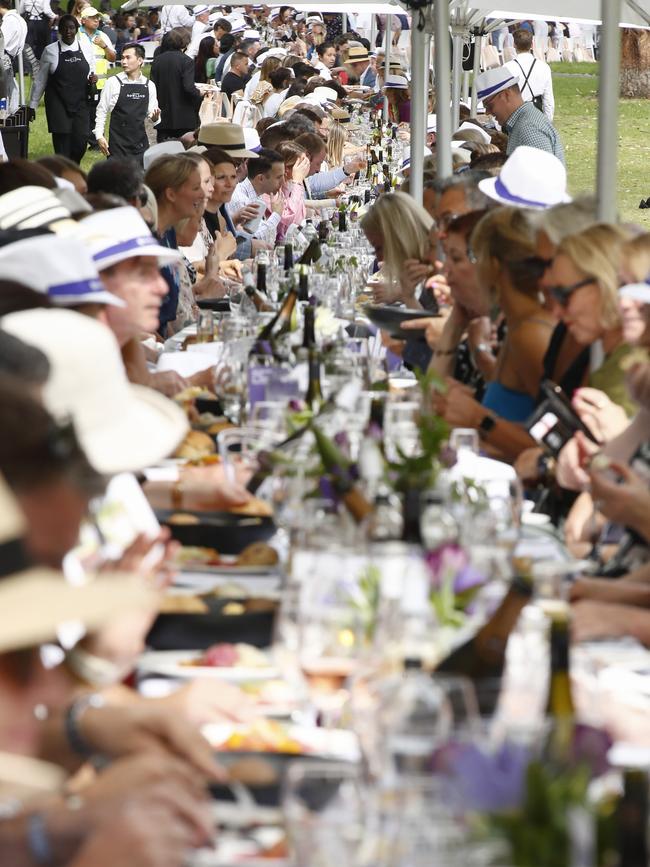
(562,294)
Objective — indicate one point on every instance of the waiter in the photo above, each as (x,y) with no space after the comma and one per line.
(39,17)
(130,98)
(67,70)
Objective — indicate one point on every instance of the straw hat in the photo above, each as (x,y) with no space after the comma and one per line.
(530,178)
(289,105)
(227,136)
(357,54)
(121,427)
(35,602)
(118,234)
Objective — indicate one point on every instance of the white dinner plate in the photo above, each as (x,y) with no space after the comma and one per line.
(173,663)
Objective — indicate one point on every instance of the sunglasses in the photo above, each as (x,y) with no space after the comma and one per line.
(535,266)
(562,294)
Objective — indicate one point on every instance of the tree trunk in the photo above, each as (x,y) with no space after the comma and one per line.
(635,63)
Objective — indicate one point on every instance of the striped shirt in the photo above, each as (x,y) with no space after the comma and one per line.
(530,126)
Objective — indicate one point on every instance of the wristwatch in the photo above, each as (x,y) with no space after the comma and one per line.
(484,348)
(486,425)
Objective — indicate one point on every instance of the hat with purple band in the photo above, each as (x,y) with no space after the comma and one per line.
(636,291)
(58,267)
(530,178)
(493,81)
(118,234)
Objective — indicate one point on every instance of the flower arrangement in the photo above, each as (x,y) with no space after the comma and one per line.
(454,583)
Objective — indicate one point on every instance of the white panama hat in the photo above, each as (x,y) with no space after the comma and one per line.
(118,234)
(530,178)
(162,149)
(121,427)
(32,208)
(493,81)
(636,291)
(57,266)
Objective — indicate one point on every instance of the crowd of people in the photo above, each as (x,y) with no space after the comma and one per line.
(243,133)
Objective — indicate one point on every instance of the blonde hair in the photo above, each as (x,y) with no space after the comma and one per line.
(597,253)
(269,65)
(503,238)
(335,143)
(404,227)
(636,257)
(169,172)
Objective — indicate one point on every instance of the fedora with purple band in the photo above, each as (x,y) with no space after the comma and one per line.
(493,81)
(530,178)
(118,234)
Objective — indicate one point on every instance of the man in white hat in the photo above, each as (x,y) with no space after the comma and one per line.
(200,29)
(534,75)
(498,89)
(175,16)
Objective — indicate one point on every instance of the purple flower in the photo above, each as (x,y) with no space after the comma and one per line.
(447,456)
(327,490)
(468,578)
(447,559)
(342,441)
(590,747)
(484,781)
(296,405)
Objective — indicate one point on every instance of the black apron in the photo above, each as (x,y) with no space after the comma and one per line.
(66,93)
(126,133)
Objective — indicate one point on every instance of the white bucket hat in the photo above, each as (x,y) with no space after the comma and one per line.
(118,234)
(56,266)
(36,602)
(121,427)
(530,178)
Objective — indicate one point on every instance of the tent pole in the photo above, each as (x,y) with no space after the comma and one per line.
(388,37)
(373,32)
(610,64)
(478,46)
(457,71)
(443,89)
(419,77)
(21,80)
(344,23)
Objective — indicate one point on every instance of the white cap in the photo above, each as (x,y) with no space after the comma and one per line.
(120,233)
(121,427)
(58,266)
(162,149)
(530,178)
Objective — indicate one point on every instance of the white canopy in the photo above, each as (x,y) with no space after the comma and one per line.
(634,13)
(368,6)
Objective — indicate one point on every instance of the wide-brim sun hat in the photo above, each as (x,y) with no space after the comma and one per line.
(530,178)
(119,234)
(58,267)
(122,427)
(35,602)
(228,137)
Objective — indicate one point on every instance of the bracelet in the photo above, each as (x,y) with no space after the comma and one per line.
(76,741)
(38,839)
(93,670)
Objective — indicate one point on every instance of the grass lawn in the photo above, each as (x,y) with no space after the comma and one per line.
(576,99)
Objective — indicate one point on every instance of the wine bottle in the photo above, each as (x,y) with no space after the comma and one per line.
(288,257)
(338,468)
(343,223)
(323,232)
(309,327)
(279,324)
(632,819)
(483,656)
(303,286)
(312,253)
(261,302)
(314,395)
(559,703)
(261,278)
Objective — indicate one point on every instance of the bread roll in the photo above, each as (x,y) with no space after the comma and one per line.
(196,445)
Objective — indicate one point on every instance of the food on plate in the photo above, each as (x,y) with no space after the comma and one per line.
(196,444)
(226,655)
(253,771)
(233,609)
(217,426)
(191,555)
(230,590)
(182,519)
(254,507)
(192,392)
(262,736)
(258,554)
(183,605)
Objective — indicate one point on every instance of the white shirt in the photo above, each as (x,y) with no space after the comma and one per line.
(323,70)
(249,90)
(175,16)
(14,32)
(50,62)
(540,82)
(33,9)
(244,194)
(273,103)
(199,31)
(110,95)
